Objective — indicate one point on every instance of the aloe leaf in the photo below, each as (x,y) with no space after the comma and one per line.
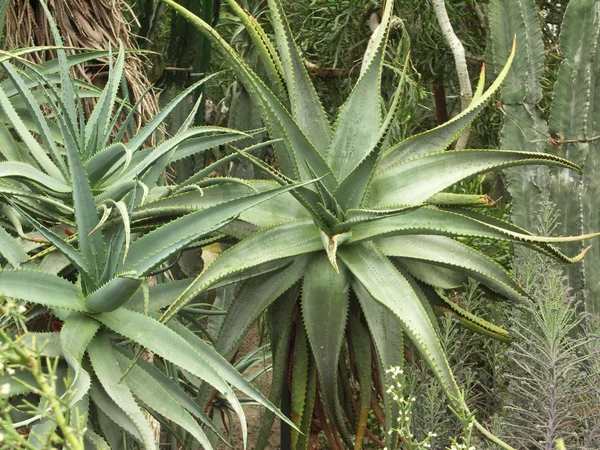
(67,90)
(42,288)
(95,440)
(113,294)
(299,150)
(108,408)
(25,172)
(189,353)
(253,298)
(266,51)
(175,391)
(306,107)
(106,367)
(10,250)
(155,247)
(417,180)
(464,200)
(97,128)
(469,320)
(442,136)
(145,160)
(436,276)
(388,340)
(299,380)
(387,286)
(279,318)
(352,191)
(445,252)
(75,336)
(8,146)
(161,295)
(356,130)
(40,121)
(360,343)
(142,135)
(34,147)
(324,311)
(153,394)
(102,161)
(270,244)
(433,221)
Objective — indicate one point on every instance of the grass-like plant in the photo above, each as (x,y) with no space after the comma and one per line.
(353,262)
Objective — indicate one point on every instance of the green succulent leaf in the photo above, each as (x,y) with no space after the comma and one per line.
(325,293)
(387,286)
(42,288)
(106,367)
(114,294)
(417,180)
(448,253)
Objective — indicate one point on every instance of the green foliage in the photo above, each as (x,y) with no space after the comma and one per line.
(90,184)
(364,241)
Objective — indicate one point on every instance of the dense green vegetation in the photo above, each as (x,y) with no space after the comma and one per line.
(322,220)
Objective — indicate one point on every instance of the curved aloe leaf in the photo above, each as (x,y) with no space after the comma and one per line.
(441,137)
(26,172)
(417,180)
(443,251)
(357,126)
(155,395)
(252,298)
(271,244)
(433,221)
(155,247)
(42,288)
(388,340)
(306,107)
(75,336)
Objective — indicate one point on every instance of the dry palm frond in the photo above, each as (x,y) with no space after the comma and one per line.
(95,24)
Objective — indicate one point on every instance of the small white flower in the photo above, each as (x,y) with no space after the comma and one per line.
(5,389)
(10,371)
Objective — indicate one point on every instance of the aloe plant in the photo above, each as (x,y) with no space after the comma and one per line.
(83,194)
(571,131)
(371,243)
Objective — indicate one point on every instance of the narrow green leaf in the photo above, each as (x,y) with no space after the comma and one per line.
(154,395)
(417,180)
(445,252)
(42,288)
(106,367)
(155,247)
(388,340)
(387,286)
(271,244)
(75,336)
(356,131)
(25,172)
(252,298)
(442,136)
(306,107)
(325,294)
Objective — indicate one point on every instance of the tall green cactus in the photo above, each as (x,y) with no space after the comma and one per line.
(572,129)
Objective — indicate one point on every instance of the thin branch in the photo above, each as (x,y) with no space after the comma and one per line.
(466,92)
